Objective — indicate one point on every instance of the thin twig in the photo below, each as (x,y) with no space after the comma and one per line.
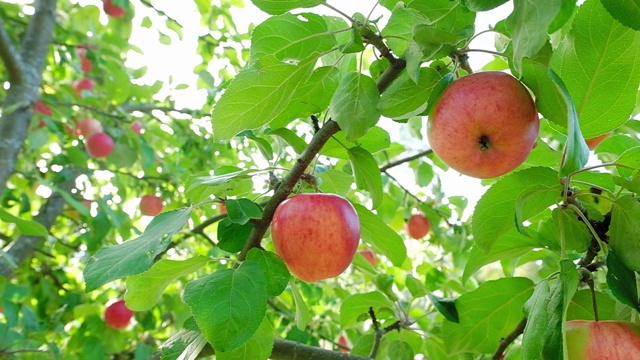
(389,165)
(506,341)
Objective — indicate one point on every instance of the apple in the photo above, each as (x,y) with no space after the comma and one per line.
(117,315)
(88,127)
(594,142)
(151,205)
(112,10)
(85,63)
(99,145)
(370,256)
(316,235)
(136,127)
(602,340)
(82,85)
(42,108)
(343,344)
(484,124)
(418,226)
(223,209)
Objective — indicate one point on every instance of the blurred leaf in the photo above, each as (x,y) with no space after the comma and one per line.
(276,7)
(367,174)
(482,5)
(446,307)
(384,240)
(359,304)
(290,138)
(274,269)
(354,106)
(303,315)
(185,344)
(624,231)
(26,227)
(415,287)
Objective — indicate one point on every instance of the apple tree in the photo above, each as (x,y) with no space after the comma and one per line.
(111,190)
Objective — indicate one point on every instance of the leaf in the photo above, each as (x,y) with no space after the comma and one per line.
(367,174)
(399,29)
(232,236)
(482,5)
(624,231)
(581,306)
(303,315)
(400,350)
(446,307)
(487,314)
(26,227)
(185,344)
(626,12)
(384,240)
(622,282)
(358,304)
(561,294)
(273,268)
(354,106)
(277,7)
(228,305)
(496,209)
(629,158)
(222,184)
(259,346)
(290,138)
(600,66)
(537,321)
(291,37)
(404,98)
(534,191)
(335,182)
(144,290)
(415,287)
(137,255)
(437,91)
(242,210)
(257,95)
(528,25)
(354,44)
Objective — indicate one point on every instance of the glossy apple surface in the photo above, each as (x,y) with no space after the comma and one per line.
(484,124)
(99,145)
(602,340)
(117,315)
(151,205)
(112,10)
(316,235)
(370,256)
(418,226)
(594,142)
(88,127)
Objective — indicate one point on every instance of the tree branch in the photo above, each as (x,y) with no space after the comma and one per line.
(9,55)
(404,160)
(509,339)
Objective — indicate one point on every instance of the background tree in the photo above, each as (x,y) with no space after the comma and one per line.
(304,106)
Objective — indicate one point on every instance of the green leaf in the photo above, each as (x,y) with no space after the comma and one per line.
(560,296)
(358,304)
(622,282)
(225,181)
(290,138)
(367,174)
(528,25)
(437,91)
(482,5)
(26,227)
(228,305)
(375,140)
(354,106)
(257,95)
(259,346)
(274,269)
(487,314)
(144,290)
(232,236)
(185,343)
(496,209)
(537,321)
(242,210)
(277,7)
(335,182)
(624,231)
(404,98)
(581,306)
(354,44)
(399,29)
(629,158)
(600,66)
(303,315)
(534,191)
(290,37)
(400,350)
(415,287)
(446,307)
(625,11)
(137,255)
(384,240)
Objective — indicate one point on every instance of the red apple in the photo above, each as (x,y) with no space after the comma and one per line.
(117,315)
(602,340)
(136,127)
(88,127)
(82,85)
(316,235)
(112,10)
(99,145)
(370,256)
(85,63)
(484,124)
(223,209)
(42,108)
(343,344)
(594,142)
(151,205)
(418,226)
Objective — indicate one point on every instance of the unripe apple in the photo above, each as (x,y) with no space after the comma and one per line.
(370,256)
(484,124)
(418,226)
(151,205)
(316,235)
(136,127)
(42,108)
(594,142)
(99,145)
(112,10)
(602,340)
(117,315)
(88,127)
(84,84)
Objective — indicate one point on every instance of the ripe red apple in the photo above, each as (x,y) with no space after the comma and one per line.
(111,9)
(484,124)
(99,145)
(594,142)
(418,226)
(602,340)
(316,235)
(344,344)
(223,209)
(370,256)
(151,205)
(88,127)
(136,127)
(117,315)
(42,108)
(84,84)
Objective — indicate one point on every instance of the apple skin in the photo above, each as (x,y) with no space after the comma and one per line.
(112,10)
(418,226)
(602,340)
(136,127)
(484,124)
(594,142)
(99,145)
(84,84)
(41,108)
(316,235)
(117,315)
(151,205)
(88,127)
(344,344)
(370,256)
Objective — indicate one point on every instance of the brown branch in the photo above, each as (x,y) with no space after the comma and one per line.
(404,160)
(10,55)
(505,342)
